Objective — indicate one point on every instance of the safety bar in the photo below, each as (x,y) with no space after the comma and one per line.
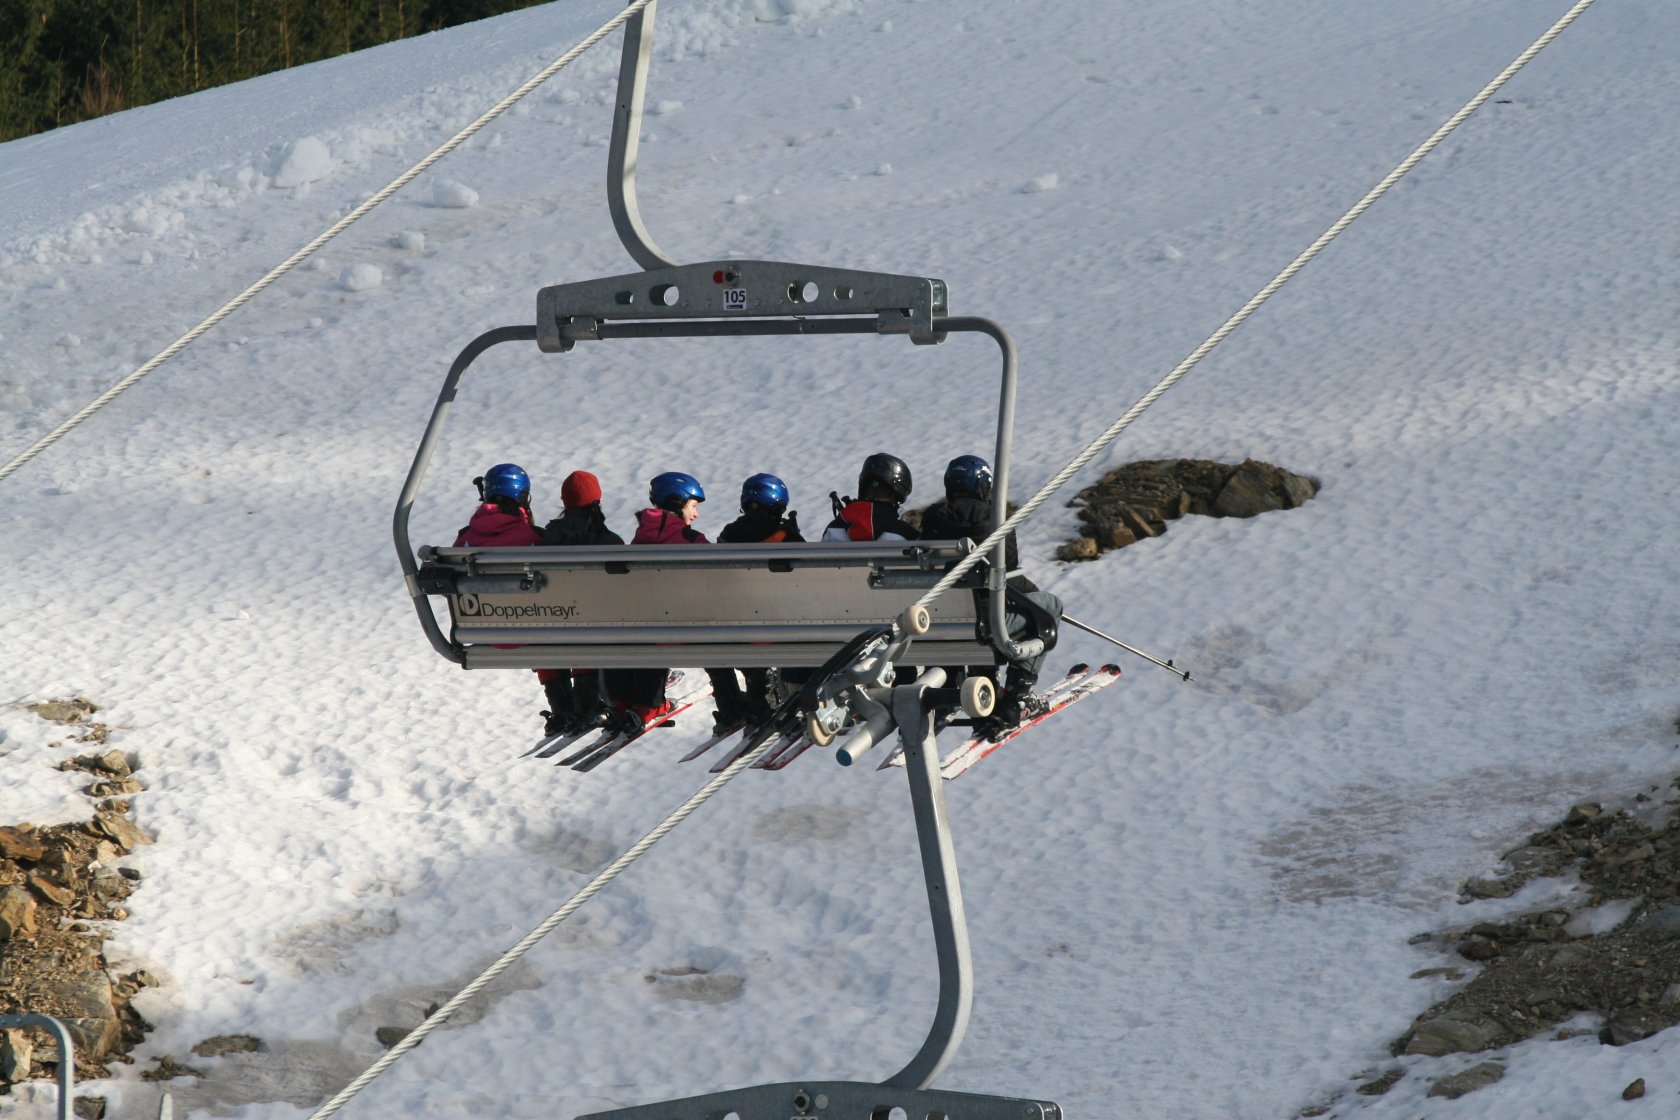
(930,556)
(66,1053)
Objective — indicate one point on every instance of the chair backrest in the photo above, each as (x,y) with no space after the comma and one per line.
(746,606)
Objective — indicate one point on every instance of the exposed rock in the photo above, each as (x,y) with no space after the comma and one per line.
(224,1044)
(1377,1086)
(1633,1024)
(17,1053)
(1581,814)
(53,892)
(1537,974)
(17,914)
(390,1036)
(109,885)
(110,764)
(21,842)
(1476,1077)
(1136,501)
(122,831)
(1490,888)
(115,787)
(86,1008)
(49,877)
(1083,548)
(73,710)
(1635,1089)
(1454,1033)
(1248,493)
(168,1069)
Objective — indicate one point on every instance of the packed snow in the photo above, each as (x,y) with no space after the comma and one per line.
(1186,899)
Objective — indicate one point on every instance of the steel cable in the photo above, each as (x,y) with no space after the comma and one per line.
(1097,445)
(331,232)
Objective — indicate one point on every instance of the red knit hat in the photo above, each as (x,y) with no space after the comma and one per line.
(580,489)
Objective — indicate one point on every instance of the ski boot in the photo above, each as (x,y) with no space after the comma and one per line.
(1015,706)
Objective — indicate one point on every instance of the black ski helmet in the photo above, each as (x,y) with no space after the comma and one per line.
(885,475)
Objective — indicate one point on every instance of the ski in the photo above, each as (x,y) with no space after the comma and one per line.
(959,761)
(606,736)
(785,754)
(551,745)
(746,744)
(672,680)
(619,742)
(712,742)
(1069,680)
(541,745)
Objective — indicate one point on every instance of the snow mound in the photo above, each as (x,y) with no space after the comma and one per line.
(361,278)
(453,195)
(305,160)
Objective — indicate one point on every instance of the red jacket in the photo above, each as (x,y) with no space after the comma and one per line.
(658,526)
(490,527)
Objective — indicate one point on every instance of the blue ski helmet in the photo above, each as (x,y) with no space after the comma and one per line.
(506,482)
(766,490)
(672,489)
(969,474)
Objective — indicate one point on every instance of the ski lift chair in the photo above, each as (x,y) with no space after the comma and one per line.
(847,607)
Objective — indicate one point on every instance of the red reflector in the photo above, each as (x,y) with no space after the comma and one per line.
(717,277)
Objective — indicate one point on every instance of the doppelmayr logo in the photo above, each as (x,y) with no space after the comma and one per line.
(471,606)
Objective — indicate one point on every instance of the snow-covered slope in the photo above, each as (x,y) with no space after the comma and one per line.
(1186,899)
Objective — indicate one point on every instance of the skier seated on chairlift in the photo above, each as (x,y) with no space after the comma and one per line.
(883,486)
(503,520)
(966,511)
(765,519)
(638,695)
(574,697)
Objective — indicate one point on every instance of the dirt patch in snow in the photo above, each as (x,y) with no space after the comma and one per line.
(1610,968)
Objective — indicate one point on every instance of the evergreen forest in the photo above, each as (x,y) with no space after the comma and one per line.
(63,61)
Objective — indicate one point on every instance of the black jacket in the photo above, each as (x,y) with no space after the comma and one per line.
(759,526)
(971,517)
(586,525)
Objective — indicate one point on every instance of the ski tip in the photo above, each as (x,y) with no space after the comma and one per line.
(1082,667)
(1111,669)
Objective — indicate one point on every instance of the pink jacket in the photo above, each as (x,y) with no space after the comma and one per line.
(657,526)
(491,528)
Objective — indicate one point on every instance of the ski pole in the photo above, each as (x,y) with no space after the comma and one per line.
(1071,621)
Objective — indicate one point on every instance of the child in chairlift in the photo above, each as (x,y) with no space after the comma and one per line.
(966,511)
(765,519)
(503,517)
(883,486)
(638,695)
(574,697)
(503,520)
